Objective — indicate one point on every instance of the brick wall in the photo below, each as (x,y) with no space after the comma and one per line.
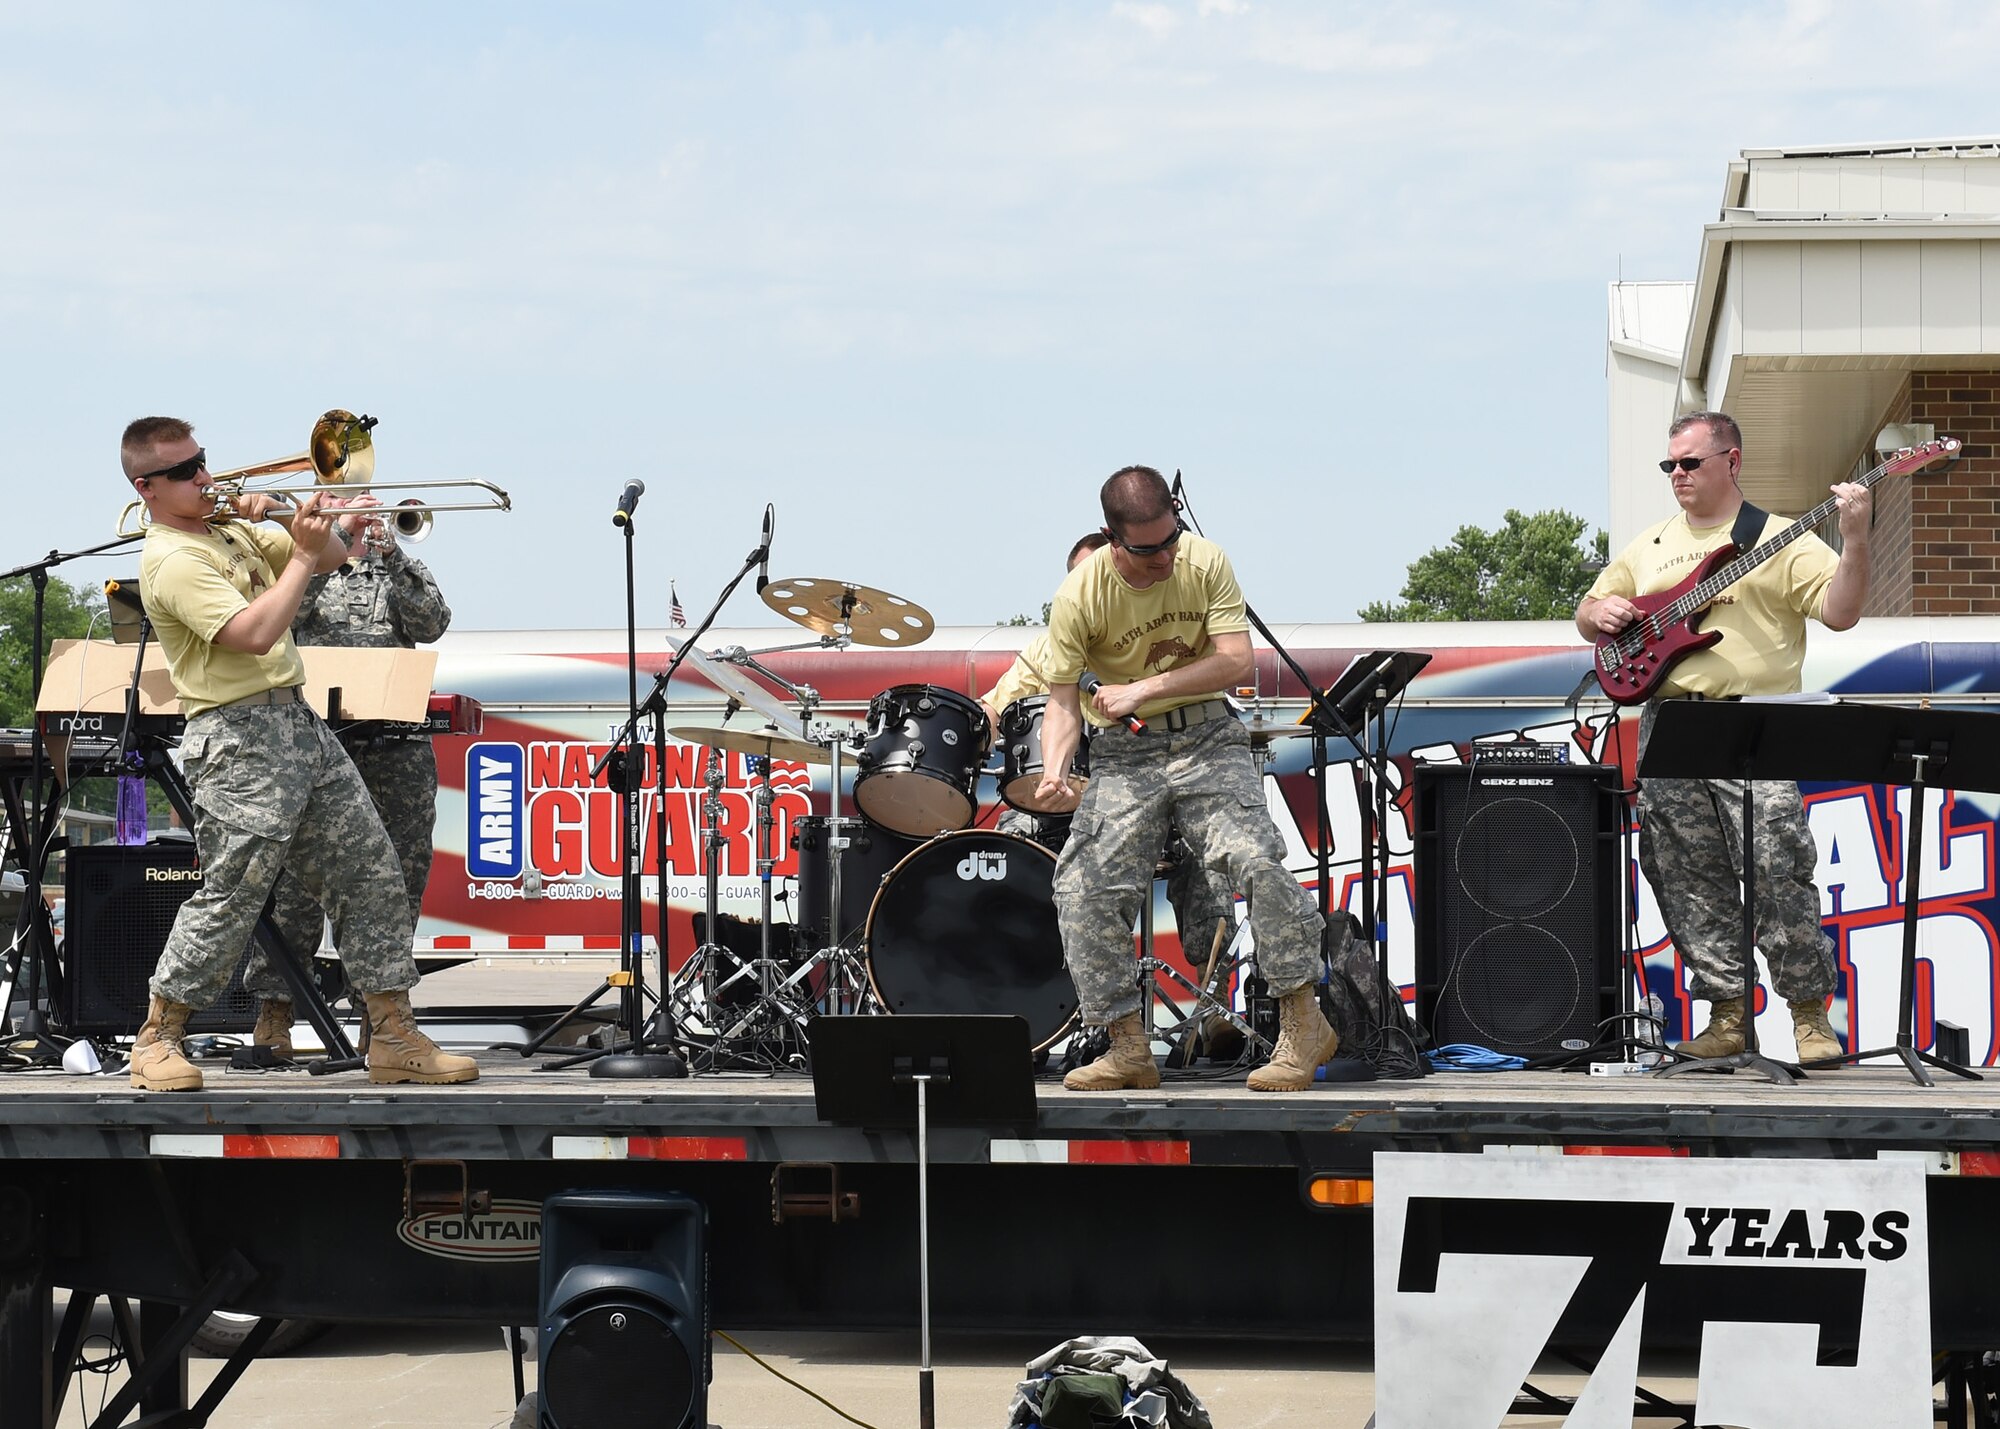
(1890,590)
(1954,536)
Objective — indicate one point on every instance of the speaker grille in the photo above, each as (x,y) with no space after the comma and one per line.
(618,1366)
(120,903)
(1517,945)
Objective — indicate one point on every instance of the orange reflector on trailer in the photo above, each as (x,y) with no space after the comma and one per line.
(687,1148)
(1341,1191)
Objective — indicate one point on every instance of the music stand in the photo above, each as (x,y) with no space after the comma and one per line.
(883,1072)
(1875,744)
(1360,699)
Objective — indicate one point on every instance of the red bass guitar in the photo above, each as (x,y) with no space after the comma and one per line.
(1632,663)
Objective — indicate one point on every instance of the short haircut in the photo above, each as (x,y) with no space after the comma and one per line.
(1094,541)
(1134,495)
(1720,425)
(135,449)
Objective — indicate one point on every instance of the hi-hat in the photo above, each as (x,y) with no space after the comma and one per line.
(1263,731)
(764,741)
(858,613)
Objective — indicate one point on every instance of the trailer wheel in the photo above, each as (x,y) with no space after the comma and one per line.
(225,1331)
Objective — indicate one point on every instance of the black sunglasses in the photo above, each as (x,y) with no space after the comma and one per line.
(181,470)
(1153,550)
(1689,463)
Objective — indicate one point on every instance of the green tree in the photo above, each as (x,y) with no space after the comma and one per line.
(1025,620)
(66,614)
(1532,568)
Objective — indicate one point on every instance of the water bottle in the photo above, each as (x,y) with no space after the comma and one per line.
(131,825)
(1651,1052)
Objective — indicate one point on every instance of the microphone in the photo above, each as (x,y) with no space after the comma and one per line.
(628,502)
(1089,684)
(764,550)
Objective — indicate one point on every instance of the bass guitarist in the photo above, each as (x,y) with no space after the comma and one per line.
(1690,829)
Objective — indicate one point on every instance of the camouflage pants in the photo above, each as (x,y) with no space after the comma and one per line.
(1691,851)
(401,775)
(272,787)
(1204,779)
(1199,897)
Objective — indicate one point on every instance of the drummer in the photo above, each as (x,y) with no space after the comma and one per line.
(1199,896)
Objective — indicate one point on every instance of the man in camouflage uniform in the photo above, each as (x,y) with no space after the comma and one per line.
(1158,617)
(1197,897)
(378,598)
(271,784)
(1690,833)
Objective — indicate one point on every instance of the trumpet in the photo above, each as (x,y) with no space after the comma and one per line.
(341,454)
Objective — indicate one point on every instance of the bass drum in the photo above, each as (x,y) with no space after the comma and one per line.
(1021,756)
(967,924)
(919,762)
(871,853)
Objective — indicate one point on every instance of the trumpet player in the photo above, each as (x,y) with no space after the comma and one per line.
(271,783)
(380,597)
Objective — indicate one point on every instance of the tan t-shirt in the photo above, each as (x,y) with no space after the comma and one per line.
(1099,622)
(193,585)
(1762,617)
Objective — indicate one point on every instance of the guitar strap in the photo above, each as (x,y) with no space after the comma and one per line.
(1749,526)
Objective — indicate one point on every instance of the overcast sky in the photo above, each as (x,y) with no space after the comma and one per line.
(919,275)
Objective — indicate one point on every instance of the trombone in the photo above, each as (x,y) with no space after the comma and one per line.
(342,454)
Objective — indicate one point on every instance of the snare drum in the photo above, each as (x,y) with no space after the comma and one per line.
(919,760)
(967,924)
(1021,757)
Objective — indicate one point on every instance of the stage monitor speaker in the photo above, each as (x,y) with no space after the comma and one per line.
(120,902)
(624,1311)
(1517,904)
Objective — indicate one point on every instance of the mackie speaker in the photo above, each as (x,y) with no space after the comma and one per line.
(120,902)
(1517,904)
(624,1311)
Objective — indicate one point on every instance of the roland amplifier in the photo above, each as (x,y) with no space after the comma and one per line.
(1517,903)
(120,906)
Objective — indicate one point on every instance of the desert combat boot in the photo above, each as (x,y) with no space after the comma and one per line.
(1812,1031)
(1128,1066)
(1723,1037)
(159,1063)
(1305,1040)
(399,1052)
(274,1028)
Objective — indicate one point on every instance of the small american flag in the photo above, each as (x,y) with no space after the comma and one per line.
(674,612)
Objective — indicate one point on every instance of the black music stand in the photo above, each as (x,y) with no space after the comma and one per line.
(1720,739)
(1883,744)
(1360,700)
(1829,742)
(886,1071)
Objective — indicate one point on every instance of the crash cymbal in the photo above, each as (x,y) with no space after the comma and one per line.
(860,613)
(1263,731)
(765,741)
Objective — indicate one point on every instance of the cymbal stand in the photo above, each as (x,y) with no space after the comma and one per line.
(776,1016)
(843,986)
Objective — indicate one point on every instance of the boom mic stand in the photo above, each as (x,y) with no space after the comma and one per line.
(1326,716)
(632,1058)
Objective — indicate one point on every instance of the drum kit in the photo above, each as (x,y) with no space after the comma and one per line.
(906,908)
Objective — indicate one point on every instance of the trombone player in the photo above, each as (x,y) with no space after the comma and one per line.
(271,783)
(380,597)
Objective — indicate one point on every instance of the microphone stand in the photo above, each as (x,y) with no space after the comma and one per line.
(33,931)
(626,763)
(1326,715)
(632,1052)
